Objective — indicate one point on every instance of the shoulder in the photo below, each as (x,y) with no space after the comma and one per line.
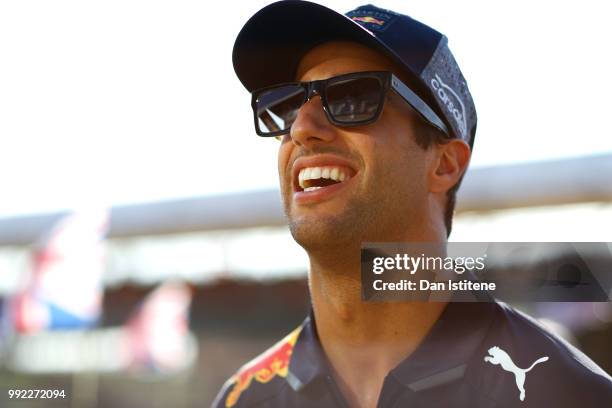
(261,378)
(526,333)
(553,371)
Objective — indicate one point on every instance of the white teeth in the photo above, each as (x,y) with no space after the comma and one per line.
(307,189)
(334,174)
(314,173)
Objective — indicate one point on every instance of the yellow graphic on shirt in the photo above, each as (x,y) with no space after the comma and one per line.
(273,362)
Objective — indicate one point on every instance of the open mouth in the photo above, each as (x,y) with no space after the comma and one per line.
(315,178)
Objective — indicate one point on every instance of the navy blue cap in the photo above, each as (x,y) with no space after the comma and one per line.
(271,44)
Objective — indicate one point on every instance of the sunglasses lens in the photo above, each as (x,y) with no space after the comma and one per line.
(276,108)
(353,101)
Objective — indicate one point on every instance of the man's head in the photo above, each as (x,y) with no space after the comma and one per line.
(383,181)
(394,189)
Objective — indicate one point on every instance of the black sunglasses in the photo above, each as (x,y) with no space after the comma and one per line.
(348,100)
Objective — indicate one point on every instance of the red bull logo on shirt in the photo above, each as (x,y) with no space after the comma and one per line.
(274,362)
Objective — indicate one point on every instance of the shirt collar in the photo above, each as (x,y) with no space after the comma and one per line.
(442,357)
(446,351)
(307,360)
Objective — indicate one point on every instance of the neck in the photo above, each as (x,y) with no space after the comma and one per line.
(363,341)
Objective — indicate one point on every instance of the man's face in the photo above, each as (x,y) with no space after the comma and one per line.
(384,194)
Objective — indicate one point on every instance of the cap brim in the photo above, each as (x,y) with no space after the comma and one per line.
(271,44)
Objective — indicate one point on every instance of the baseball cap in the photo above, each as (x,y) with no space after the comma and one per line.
(271,44)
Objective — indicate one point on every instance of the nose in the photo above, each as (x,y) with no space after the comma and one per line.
(311,125)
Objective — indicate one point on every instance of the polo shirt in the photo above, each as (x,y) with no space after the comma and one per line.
(476,355)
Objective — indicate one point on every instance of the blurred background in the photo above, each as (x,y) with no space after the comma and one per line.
(143,252)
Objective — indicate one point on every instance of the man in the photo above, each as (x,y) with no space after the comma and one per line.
(377,125)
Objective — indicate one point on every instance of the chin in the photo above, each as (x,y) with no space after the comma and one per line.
(329,234)
(338,228)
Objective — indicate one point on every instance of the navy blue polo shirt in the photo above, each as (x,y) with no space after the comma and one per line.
(476,355)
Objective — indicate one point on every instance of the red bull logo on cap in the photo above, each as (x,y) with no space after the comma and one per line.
(368,19)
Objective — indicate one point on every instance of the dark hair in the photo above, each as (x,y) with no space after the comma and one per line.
(426,136)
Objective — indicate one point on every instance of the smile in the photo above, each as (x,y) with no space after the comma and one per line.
(321,177)
(314,178)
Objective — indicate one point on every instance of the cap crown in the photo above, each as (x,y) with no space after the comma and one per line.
(271,44)
(424,52)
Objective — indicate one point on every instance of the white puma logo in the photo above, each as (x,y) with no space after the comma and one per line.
(499,356)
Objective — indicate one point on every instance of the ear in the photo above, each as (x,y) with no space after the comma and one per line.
(452,159)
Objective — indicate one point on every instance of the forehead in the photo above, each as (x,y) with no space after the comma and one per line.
(341,57)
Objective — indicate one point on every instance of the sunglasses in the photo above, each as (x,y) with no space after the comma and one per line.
(353,99)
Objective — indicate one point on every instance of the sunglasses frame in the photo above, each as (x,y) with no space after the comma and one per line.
(319,87)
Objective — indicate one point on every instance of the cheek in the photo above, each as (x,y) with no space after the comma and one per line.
(284,154)
(394,156)
(381,150)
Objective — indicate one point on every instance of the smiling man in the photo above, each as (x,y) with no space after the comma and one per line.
(376,125)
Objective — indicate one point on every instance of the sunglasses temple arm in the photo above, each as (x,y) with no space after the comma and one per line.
(418,104)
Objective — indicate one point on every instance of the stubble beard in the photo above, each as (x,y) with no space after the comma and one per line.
(331,233)
(365,218)
(372,216)
(373,213)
